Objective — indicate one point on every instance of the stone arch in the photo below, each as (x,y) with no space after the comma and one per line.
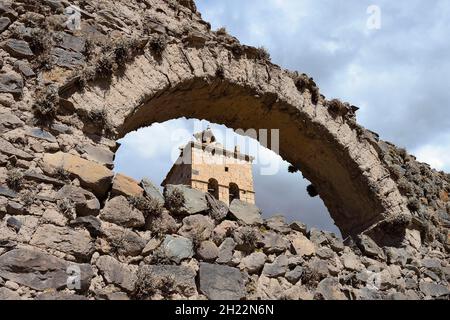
(234,192)
(213,188)
(242,93)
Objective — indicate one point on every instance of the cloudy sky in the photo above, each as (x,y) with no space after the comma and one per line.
(390,58)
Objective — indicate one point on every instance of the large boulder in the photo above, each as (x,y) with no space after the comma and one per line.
(117,273)
(8,149)
(151,191)
(246,213)
(218,210)
(192,201)
(123,241)
(125,186)
(197,227)
(76,242)
(220,282)
(119,211)
(91,174)
(207,251)
(85,202)
(41,271)
(302,245)
(178,248)
(8,294)
(277,268)
(278,224)
(98,154)
(11,83)
(253,263)
(18,48)
(328,289)
(274,243)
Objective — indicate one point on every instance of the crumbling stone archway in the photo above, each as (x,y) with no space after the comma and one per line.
(243,93)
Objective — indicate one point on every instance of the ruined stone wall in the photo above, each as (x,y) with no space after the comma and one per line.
(67,96)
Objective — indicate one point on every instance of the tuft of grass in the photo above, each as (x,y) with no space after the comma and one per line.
(62,174)
(222,31)
(263,54)
(104,67)
(28,198)
(46,105)
(157,45)
(146,287)
(220,72)
(67,208)
(148,207)
(14,179)
(303,83)
(40,41)
(175,200)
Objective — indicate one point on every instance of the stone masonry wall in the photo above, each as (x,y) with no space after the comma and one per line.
(70,228)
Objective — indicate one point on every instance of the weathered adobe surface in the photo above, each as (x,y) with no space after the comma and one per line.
(66,96)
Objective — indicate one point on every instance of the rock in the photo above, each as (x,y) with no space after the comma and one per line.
(100,155)
(396,255)
(15,208)
(85,202)
(274,243)
(268,289)
(71,43)
(164,223)
(75,242)
(370,248)
(60,296)
(18,48)
(208,251)
(119,211)
(6,192)
(226,251)
(4,23)
(317,237)
(40,178)
(276,269)
(328,289)
(91,175)
(318,267)
(337,245)
(41,271)
(218,210)
(253,263)
(197,227)
(151,191)
(8,149)
(413,237)
(433,290)
(125,186)
(432,264)
(125,241)
(325,253)
(117,273)
(92,224)
(183,277)
(53,216)
(302,245)
(8,122)
(223,230)
(67,59)
(12,285)
(14,224)
(178,248)
(24,68)
(39,133)
(194,200)
(220,282)
(294,276)
(7,294)
(351,262)
(298,226)
(245,212)
(278,224)
(151,246)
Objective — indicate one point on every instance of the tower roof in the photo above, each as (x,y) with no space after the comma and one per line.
(206,136)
